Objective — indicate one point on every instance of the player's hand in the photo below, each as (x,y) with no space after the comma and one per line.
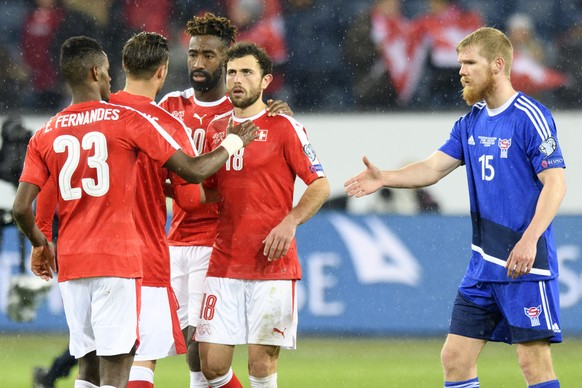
(366,182)
(42,261)
(275,107)
(521,258)
(246,130)
(278,240)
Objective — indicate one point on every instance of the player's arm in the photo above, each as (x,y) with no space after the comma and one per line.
(279,239)
(414,175)
(523,254)
(195,170)
(46,205)
(42,257)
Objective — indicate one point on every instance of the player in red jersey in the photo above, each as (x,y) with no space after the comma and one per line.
(91,150)
(249,291)
(145,60)
(193,228)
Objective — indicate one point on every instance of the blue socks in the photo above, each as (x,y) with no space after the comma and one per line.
(473,383)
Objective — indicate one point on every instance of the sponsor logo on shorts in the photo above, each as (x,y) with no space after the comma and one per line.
(277,331)
(556,328)
(534,314)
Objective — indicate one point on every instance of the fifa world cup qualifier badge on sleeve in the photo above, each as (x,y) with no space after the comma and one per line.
(309,151)
(548,146)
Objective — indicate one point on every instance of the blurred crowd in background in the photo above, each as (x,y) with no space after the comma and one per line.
(329,56)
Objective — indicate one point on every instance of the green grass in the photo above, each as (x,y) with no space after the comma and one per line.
(317,362)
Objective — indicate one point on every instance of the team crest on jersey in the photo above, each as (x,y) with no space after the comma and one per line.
(262,135)
(179,114)
(217,138)
(309,151)
(504,145)
(548,146)
(533,313)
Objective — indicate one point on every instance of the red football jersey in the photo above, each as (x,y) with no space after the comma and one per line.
(91,149)
(196,227)
(150,211)
(256,192)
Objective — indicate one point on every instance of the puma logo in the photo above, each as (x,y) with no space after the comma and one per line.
(199,118)
(275,330)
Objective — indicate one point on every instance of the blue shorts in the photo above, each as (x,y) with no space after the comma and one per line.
(507,312)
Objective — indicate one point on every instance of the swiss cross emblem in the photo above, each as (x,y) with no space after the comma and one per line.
(262,135)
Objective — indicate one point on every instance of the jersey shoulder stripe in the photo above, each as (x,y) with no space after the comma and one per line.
(157,127)
(298,127)
(188,93)
(535,115)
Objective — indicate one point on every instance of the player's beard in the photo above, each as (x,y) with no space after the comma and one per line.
(472,94)
(250,98)
(209,83)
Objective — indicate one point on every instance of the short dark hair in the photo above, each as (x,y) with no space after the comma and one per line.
(210,24)
(78,55)
(242,49)
(144,53)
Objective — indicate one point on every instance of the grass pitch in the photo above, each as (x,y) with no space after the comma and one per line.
(317,362)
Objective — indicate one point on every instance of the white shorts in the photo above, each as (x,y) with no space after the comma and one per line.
(160,335)
(189,265)
(236,312)
(101,314)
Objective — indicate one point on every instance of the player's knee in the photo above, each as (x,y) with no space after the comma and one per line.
(212,372)
(262,368)
(452,360)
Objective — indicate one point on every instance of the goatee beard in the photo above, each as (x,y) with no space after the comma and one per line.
(471,95)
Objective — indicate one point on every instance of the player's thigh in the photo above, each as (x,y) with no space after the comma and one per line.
(76,295)
(198,260)
(114,314)
(272,312)
(531,310)
(179,280)
(222,318)
(159,330)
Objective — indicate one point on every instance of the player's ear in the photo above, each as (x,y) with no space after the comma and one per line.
(95,73)
(162,72)
(267,79)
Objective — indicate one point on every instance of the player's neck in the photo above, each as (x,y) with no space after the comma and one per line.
(214,94)
(80,95)
(499,96)
(250,110)
(141,88)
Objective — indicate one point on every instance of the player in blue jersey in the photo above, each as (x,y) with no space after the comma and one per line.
(515,172)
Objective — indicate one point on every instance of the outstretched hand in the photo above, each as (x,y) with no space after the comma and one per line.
(42,261)
(366,182)
(275,107)
(246,130)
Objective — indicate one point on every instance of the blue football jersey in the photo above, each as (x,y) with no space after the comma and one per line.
(503,152)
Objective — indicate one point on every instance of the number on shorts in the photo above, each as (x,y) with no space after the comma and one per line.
(208,306)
